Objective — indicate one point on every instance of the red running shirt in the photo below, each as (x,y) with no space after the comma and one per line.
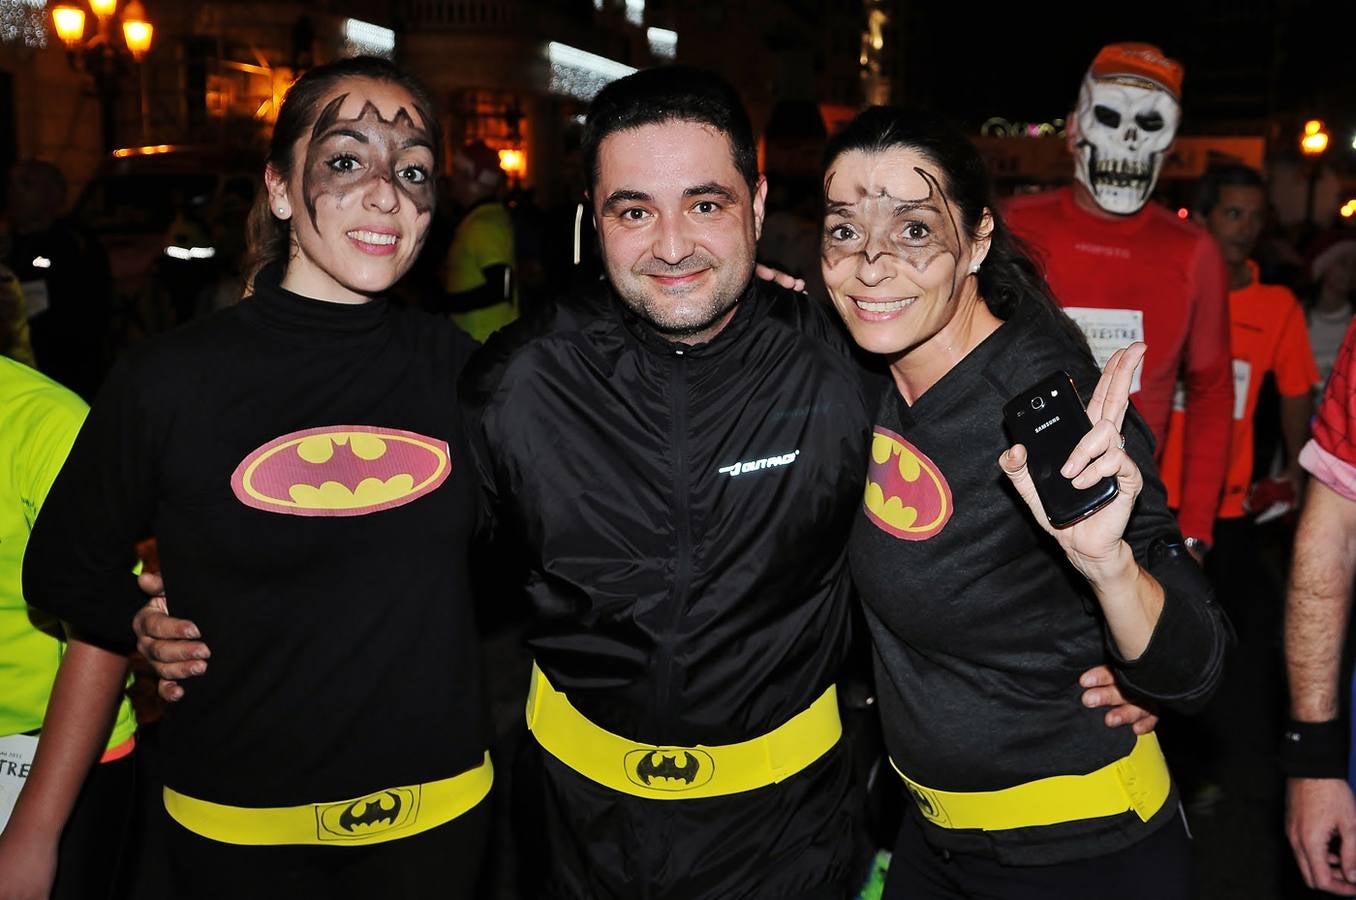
(1161,279)
(1335,424)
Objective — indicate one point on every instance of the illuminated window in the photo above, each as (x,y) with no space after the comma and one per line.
(489,116)
(635,12)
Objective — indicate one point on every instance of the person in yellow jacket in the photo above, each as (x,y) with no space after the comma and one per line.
(481,278)
(67,732)
(14,341)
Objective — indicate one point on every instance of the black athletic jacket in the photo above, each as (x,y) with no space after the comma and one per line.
(683,510)
(682,515)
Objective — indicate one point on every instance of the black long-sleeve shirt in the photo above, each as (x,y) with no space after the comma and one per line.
(980,625)
(304,468)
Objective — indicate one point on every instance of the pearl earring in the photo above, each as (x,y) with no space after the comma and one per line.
(974,270)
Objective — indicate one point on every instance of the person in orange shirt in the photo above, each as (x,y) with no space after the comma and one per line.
(1267,334)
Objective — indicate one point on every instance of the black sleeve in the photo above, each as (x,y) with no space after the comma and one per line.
(1182,664)
(476,392)
(78,564)
(497,288)
(499,563)
(813,316)
(816,318)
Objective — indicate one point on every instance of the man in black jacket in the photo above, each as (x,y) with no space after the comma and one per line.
(678,454)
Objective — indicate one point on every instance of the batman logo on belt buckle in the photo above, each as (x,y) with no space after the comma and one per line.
(380,812)
(674,769)
(928,804)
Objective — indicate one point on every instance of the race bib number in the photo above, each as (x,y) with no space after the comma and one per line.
(16,758)
(1108,330)
(1242,375)
(35,297)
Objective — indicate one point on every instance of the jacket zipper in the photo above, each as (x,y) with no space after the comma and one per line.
(682,574)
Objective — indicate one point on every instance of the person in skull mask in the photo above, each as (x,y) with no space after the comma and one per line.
(1129,270)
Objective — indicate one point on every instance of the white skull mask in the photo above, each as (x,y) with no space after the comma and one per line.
(1124,130)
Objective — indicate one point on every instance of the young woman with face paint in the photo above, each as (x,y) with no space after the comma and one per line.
(983,616)
(301,459)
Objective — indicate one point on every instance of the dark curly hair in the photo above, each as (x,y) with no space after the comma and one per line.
(670,94)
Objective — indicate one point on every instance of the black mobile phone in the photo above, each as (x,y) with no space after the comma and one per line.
(1049,419)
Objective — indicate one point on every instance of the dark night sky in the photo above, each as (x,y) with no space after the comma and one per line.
(1023,61)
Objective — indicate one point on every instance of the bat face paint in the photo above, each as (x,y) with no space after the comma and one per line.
(893,252)
(364,197)
(335,166)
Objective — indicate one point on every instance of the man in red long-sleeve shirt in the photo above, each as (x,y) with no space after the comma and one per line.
(1126,269)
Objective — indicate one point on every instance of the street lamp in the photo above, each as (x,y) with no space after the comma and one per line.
(102,55)
(1315,139)
(70,24)
(514,164)
(1312,144)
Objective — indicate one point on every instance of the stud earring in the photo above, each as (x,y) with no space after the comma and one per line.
(974,270)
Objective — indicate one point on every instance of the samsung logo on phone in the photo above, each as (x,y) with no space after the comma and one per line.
(1044,425)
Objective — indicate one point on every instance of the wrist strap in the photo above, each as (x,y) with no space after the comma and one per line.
(1314,749)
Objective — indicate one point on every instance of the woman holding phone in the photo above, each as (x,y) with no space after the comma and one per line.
(983,615)
(301,460)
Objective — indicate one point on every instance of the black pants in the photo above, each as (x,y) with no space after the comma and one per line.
(1156,868)
(440,864)
(579,840)
(1249,707)
(93,841)
(1235,736)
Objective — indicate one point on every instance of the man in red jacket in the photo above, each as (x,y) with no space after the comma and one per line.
(1129,270)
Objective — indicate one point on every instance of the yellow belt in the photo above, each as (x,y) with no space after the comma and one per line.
(1138,781)
(679,773)
(384,815)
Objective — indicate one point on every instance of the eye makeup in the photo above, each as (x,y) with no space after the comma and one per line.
(873,222)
